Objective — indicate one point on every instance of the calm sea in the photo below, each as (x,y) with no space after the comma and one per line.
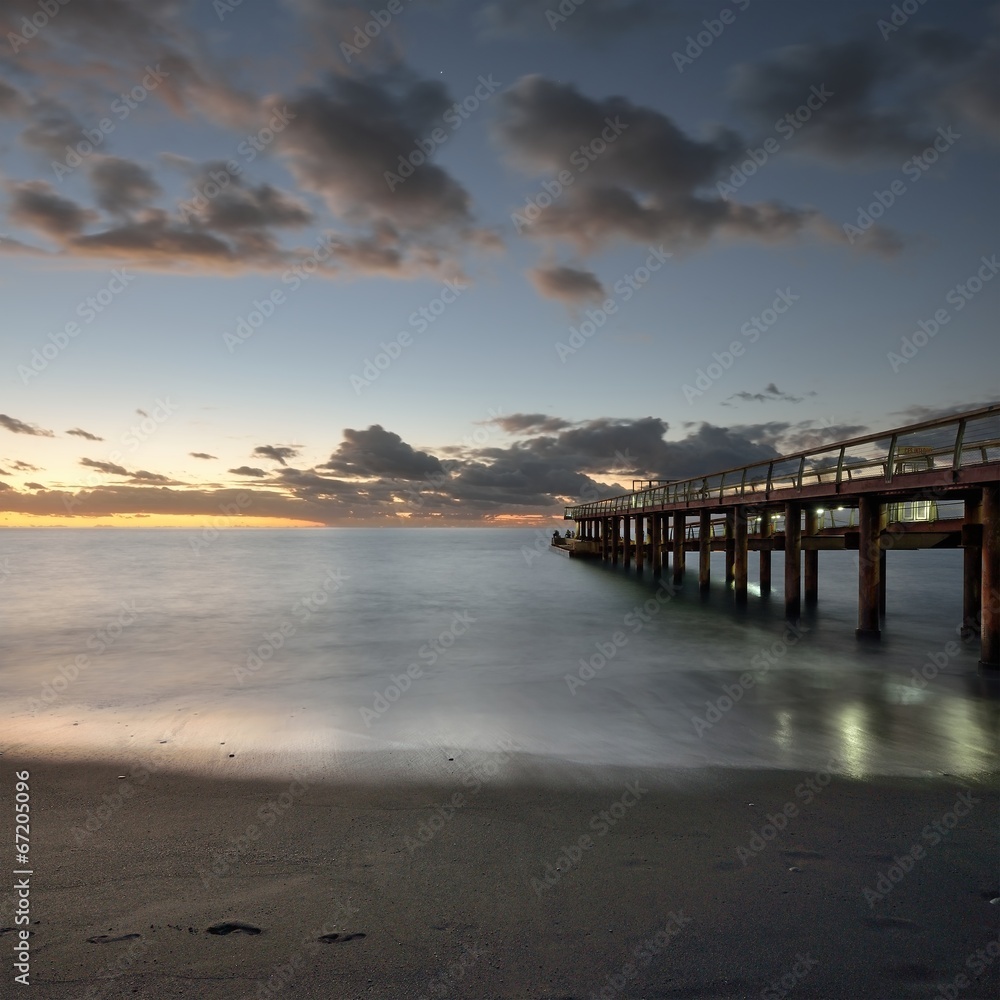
(310,643)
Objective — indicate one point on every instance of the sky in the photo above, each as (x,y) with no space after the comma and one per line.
(309,262)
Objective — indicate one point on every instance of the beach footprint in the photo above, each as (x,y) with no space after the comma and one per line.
(233,927)
(107,939)
(340,938)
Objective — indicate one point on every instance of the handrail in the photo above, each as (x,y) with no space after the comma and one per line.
(882,465)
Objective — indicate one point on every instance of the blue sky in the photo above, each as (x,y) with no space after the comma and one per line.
(612,335)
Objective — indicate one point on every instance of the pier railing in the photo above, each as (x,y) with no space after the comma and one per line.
(956,442)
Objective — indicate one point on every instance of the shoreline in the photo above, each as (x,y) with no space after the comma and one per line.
(523,880)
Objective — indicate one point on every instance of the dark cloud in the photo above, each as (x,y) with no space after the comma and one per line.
(121,186)
(378,452)
(34,486)
(770,394)
(569,285)
(35,204)
(24,466)
(345,144)
(200,454)
(108,468)
(246,470)
(77,432)
(540,423)
(142,476)
(277,453)
(643,177)
(51,127)
(11,99)
(241,207)
(16,426)
(886,101)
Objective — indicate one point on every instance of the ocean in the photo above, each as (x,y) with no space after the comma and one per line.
(244,650)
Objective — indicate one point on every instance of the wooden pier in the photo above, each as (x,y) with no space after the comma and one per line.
(892,490)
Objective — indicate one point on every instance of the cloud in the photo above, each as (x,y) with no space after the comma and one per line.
(24,466)
(200,454)
(568,285)
(537,422)
(351,143)
(35,204)
(108,468)
(16,426)
(378,452)
(278,453)
(771,394)
(637,175)
(246,470)
(141,476)
(121,186)
(886,102)
(77,432)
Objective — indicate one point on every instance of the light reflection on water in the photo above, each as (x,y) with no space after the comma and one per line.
(491,627)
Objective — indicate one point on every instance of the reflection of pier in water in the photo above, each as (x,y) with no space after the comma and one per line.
(929,485)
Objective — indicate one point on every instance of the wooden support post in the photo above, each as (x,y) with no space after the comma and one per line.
(989,655)
(793,561)
(972,566)
(616,528)
(766,532)
(882,578)
(680,519)
(740,553)
(705,549)
(656,556)
(627,540)
(869,551)
(640,542)
(811,559)
(730,544)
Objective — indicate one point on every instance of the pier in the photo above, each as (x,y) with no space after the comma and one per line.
(934,484)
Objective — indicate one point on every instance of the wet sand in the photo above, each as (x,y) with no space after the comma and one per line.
(507,876)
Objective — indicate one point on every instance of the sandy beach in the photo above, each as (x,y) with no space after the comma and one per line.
(506,876)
